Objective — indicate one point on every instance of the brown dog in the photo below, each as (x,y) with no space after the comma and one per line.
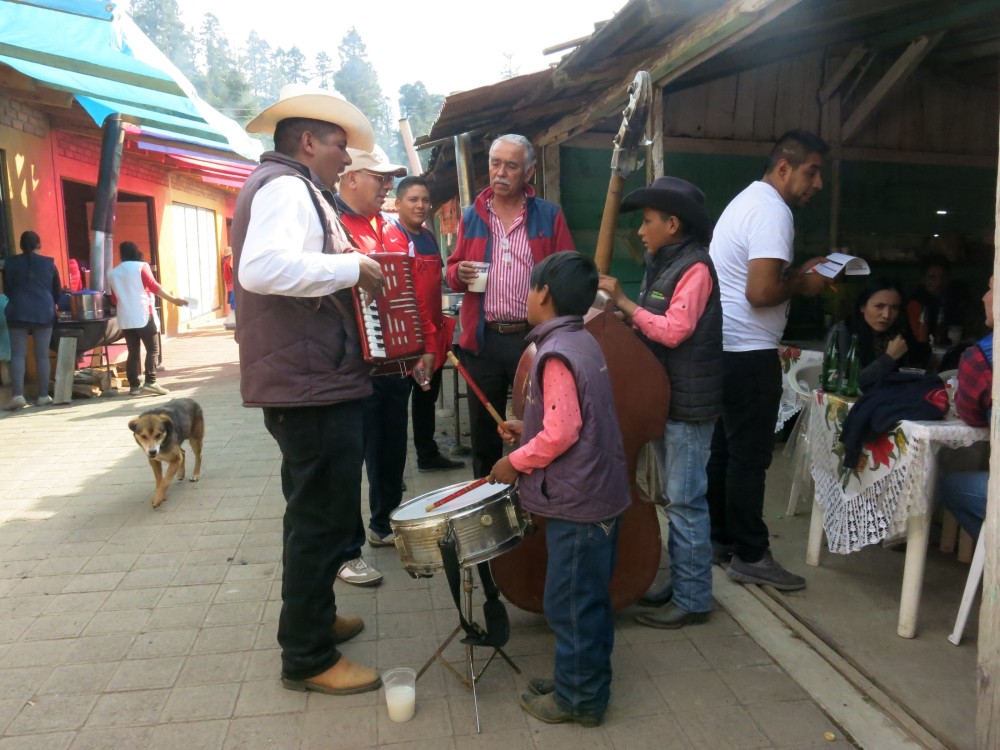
(160,432)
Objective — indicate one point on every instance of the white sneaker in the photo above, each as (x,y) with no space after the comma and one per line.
(155,388)
(359,573)
(43,401)
(15,403)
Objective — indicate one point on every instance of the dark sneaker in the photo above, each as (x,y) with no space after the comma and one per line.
(439,463)
(765,572)
(135,390)
(544,708)
(377,540)
(722,553)
(671,617)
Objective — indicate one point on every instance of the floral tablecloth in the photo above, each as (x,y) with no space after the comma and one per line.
(791,402)
(894,478)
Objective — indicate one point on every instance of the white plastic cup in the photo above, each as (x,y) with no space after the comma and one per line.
(478,284)
(400,693)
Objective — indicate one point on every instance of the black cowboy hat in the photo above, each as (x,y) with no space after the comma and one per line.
(676,197)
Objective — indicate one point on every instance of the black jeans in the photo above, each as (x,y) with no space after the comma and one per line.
(148,335)
(321,456)
(742,445)
(422,407)
(493,370)
(385,450)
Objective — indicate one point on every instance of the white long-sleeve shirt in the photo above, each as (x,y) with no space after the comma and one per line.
(282,253)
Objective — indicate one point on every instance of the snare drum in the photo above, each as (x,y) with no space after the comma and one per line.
(486,522)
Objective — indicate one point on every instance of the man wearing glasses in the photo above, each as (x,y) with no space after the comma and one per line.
(362,191)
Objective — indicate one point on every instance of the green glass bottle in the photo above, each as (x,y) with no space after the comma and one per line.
(852,370)
(831,366)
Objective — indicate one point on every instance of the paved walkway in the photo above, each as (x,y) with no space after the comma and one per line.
(125,627)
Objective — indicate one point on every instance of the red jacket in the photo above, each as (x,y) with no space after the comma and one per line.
(387,236)
(547,234)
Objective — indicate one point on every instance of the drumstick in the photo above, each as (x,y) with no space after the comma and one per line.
(475,388)
(456,494)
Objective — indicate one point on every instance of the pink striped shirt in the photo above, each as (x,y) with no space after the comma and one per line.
(507,281)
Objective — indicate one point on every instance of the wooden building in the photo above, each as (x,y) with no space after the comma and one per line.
(907,94)
(904,91)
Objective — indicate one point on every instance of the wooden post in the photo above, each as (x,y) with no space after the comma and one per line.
(655,154)
(551,173)
(988,715)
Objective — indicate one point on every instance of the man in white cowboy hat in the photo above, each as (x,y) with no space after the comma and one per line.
(300,361)
(361,194)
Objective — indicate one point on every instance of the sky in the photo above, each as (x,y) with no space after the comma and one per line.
(439,42)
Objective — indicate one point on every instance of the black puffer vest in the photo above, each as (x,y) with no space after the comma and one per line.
(295,351)
(694,367)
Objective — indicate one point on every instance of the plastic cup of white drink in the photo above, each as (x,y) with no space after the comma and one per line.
(478,284)
(400,693)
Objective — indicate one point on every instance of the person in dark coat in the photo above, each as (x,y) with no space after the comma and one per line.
(31,281)
(885,342)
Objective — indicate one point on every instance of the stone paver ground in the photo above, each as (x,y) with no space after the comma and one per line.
(127,627)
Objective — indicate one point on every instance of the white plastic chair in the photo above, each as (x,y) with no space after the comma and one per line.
(971,587)
(804,378)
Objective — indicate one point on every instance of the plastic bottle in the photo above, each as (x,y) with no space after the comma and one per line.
(852,370)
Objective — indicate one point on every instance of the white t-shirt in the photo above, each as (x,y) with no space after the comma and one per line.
(756,224)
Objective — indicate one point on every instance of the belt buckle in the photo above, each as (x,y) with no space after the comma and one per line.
(508,327)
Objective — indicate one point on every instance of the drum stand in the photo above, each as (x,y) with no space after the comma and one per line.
(471,676)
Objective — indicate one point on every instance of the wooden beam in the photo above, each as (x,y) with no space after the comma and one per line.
(693,44)
(898,73)
(655,154)
(551,169)
(843,70)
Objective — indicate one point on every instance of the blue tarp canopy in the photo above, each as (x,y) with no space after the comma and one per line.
(95,52)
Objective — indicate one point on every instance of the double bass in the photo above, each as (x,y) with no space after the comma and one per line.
(641,395)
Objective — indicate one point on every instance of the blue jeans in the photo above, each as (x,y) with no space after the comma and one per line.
(681,457)
(964,494)
(578,609)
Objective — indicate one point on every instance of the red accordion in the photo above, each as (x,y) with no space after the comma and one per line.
(391,339)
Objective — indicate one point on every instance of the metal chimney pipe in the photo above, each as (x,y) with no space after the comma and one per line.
(463,164)
(411,152)
(103,221)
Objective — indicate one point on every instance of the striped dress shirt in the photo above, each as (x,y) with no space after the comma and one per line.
(507,283)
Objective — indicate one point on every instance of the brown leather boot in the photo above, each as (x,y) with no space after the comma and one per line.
(346,627)
(343,678)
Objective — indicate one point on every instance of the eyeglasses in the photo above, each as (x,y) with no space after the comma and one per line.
(385,179)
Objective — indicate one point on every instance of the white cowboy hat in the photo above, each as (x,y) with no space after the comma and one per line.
(374,160)
(301,100)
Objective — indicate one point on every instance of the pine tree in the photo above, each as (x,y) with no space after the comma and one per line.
(160,20)
(358,82)
(256,61)
(420,106)
(324,71)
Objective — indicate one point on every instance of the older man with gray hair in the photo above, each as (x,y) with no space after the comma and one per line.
(503,234)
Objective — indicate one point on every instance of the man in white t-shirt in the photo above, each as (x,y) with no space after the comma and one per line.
(752,252)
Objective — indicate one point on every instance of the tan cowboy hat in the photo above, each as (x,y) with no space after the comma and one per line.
(301,100)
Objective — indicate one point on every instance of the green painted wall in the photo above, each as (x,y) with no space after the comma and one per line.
(888,216)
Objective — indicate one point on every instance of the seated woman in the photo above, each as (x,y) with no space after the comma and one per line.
(884,340)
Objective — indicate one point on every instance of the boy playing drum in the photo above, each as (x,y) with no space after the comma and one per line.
(571,470)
